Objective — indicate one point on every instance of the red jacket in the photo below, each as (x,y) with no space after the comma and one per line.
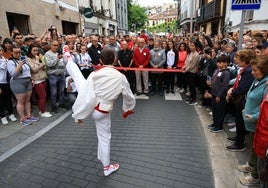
(145,37)
(141,58)
(260,143)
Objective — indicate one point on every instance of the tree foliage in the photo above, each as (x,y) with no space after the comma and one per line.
(164,27)
(137,17)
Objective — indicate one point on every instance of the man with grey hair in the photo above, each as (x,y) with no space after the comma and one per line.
(141,59)
(158,59)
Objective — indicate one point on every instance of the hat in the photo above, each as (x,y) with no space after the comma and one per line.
(265,45)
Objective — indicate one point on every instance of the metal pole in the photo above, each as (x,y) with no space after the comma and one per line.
(241,31)
(191,14)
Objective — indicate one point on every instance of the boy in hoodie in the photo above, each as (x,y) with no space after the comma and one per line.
(219,87)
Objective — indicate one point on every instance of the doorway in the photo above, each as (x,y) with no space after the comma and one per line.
(69,27)
(19,21)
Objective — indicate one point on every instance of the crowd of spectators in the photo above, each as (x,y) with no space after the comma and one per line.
(232,82)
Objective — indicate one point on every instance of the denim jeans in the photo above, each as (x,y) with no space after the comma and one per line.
(57,84)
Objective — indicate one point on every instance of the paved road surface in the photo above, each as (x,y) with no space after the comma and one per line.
(161,145)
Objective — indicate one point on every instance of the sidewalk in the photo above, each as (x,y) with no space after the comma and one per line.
(224,163)
(14,133)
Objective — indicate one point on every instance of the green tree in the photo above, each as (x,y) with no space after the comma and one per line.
(137,17)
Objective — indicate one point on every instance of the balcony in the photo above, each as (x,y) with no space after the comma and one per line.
(209,11)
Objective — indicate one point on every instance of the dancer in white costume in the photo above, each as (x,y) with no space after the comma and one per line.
(96,96)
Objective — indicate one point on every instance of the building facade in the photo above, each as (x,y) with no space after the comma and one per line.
(103,21)
(188,14)
(256,20)
(36,16)
(211,16)
(165,14)
(122,16)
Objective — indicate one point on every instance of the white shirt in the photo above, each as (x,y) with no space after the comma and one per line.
(101,87)
(3,70)
(84,59)
(170,58)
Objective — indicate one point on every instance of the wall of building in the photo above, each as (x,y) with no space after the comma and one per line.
(122,16)
(41,14)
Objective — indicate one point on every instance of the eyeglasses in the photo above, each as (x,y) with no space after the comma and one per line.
(18,37)
(55,45)
(17,52)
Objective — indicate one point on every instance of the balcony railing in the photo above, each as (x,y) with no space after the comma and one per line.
(209,11)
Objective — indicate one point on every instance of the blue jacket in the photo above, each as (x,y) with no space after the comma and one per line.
(254,98)
(244,83)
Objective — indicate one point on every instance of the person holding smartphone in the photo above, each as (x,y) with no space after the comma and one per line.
(21,85)
(39,76)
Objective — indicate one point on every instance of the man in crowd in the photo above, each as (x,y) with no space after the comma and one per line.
(141,59)
(158,59)
(56,77)
(95,50)
(125,60)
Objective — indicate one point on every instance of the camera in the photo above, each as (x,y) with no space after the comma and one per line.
(50,29)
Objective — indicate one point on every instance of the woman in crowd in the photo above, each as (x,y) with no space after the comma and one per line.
(190,69)
(50,34)
(39,76)
(260,143)
(251,114)
(237,96)
(172,59)
(84,62)
(7,46)
(21,85)
(5,92)
(181,78)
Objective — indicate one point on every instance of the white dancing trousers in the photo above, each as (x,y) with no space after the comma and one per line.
(103,127)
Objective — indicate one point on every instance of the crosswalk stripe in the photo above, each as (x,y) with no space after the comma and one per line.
(173,97)
(141,97)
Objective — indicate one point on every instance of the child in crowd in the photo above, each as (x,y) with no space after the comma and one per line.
(219,87)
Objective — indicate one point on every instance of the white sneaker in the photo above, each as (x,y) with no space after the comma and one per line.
(231,124)
(110,169)
(249,181)
(188,93)
(4,121)
(245,168)
(181,90)
(12,117)
(46,114)
(233,130)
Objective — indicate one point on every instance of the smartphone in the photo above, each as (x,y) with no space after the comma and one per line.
(23,58)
